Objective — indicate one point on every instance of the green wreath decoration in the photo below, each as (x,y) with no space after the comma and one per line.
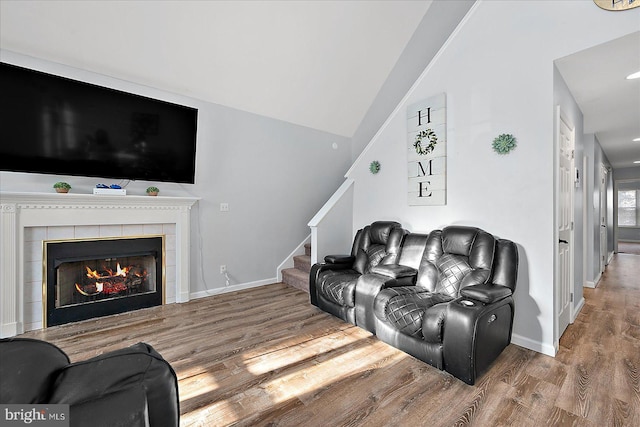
(504,143)
(431,137)
(374,167)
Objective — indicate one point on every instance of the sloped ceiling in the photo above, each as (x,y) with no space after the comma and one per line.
(318,64)
(609,102)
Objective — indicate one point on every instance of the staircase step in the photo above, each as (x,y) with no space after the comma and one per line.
(297,278)
(302,262)
(307,249)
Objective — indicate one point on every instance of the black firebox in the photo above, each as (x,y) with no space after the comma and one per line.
(98,277)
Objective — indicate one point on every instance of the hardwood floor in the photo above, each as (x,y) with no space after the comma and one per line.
(265,356)
(629,248)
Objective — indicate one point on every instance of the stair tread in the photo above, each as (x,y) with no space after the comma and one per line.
(297,278)
(296,272)
(302,262)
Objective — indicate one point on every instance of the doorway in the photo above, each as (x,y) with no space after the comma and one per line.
(565,140)
(604,253)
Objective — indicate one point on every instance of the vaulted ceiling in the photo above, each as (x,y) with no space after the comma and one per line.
(315,63)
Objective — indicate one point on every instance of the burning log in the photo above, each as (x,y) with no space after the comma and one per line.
(110,282)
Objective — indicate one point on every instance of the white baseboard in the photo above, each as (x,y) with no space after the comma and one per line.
(537,346)
(593,284)
(577,309)
(238,287)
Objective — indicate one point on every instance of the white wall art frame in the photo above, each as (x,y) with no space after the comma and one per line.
(427,152)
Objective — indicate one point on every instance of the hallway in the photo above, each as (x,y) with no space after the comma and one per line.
(601,349)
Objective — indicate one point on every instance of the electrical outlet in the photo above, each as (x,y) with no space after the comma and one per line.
(223,269)
(224,207)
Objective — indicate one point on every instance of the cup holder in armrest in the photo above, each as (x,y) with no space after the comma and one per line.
(467,303)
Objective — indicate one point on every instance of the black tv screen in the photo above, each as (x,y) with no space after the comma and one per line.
(55,125)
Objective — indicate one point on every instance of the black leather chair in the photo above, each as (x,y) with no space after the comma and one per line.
(133,386)
(458,315)
(332,284)
(402,273)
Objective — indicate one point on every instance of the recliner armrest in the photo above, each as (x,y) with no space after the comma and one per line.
(115,371)
(339,259)
(486,293)
(394,271)
(474,335)
(125,407)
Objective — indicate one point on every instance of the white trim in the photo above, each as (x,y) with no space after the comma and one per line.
(561,117)
(233,288)
(409,93)
(534,345)
(288,261)
(594,284)
(577,310)
(597,279)
(326,208)
(19,211)
(335,221)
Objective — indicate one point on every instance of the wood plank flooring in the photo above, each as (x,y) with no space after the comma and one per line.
(629,247)
(265,356)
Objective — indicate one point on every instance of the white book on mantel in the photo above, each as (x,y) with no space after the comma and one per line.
(110,191)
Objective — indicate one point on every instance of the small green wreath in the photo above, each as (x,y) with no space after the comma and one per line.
(374,167)
(433,140)
(504,143)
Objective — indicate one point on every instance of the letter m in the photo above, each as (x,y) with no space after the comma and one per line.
(428,171)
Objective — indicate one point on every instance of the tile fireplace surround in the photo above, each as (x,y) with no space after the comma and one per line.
(26,219)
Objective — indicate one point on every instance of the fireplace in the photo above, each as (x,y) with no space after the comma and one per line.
(84,279)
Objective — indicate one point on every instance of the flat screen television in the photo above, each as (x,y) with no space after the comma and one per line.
(55,125)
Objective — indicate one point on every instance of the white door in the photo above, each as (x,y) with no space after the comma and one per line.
(564,272)
(603,218)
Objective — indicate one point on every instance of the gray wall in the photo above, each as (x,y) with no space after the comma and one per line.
(497,73)
(436,26)
(274,175)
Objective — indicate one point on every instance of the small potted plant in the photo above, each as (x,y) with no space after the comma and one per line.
(62,187)
(153,191)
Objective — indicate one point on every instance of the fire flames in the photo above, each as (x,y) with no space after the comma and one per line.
(111,282)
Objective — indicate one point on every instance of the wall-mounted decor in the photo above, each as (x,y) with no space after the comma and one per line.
(426,151)
(374,167)
(617,4)
(504,143)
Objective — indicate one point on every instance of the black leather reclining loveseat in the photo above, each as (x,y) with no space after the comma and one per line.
(130,387)
(444,297)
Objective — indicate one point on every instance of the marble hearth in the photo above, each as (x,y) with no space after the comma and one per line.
(28,219)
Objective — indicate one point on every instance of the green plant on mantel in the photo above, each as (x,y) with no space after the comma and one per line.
(62,187)
(153,191)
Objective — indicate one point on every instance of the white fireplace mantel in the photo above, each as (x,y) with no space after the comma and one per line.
(19,211)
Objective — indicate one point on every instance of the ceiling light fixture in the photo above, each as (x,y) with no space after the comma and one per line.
(637,161)
(635,75)
(636,140)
